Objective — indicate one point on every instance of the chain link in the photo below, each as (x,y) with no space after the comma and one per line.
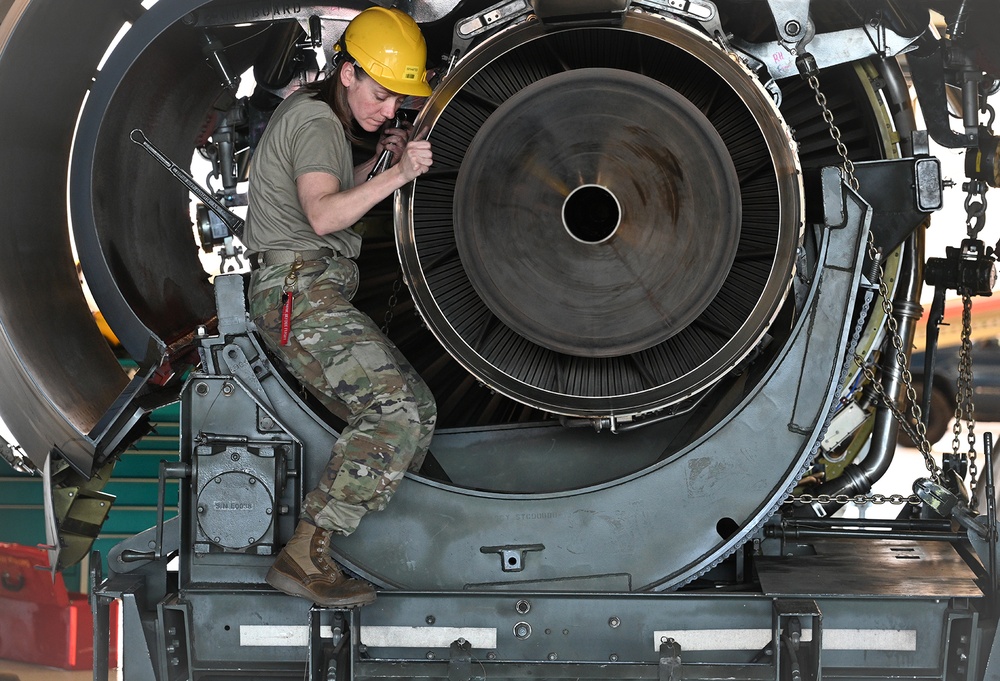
(847,165)
(918,432)
(965,409)
(859,499)
(397,286)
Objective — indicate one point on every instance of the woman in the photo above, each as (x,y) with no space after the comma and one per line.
(304,197)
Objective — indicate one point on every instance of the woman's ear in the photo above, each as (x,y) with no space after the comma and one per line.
(347,74)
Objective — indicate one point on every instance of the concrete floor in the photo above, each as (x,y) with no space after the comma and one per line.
(19,671)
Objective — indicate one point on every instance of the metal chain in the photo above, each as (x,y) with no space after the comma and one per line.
(847,166)
(859,499)
(965,409)
(397,286)
(920,430)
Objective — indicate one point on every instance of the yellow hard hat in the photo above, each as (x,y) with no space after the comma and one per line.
(387,44)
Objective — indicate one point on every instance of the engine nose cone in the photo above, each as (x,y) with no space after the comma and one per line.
(597,212)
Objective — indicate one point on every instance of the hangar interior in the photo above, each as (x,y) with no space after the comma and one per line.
(664,279)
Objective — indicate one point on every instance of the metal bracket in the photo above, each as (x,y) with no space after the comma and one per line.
(230,301)
(787,639)
(460,661)
(670,660)
(512,555)
(946,504)
(15,456)
(242,369)
(486,21)
(699,10)
(791,17)
(829,49)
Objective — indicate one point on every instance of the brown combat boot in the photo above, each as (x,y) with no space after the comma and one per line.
(304,568)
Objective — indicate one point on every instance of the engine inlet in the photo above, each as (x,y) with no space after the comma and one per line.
(611,222)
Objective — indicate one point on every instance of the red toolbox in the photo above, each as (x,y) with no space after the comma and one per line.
(40,621)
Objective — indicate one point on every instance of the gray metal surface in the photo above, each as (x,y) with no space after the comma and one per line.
(131,219)
(871,567)
(628,531)
(622,535)
(53,360)
(863,637)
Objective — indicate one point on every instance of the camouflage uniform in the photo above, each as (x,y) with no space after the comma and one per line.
(358,374)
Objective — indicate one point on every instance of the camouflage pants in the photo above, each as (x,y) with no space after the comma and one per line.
(355,371)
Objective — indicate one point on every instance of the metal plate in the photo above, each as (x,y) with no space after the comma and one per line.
(876,567)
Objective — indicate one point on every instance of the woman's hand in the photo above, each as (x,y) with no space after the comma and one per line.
(394,139)
(417,159)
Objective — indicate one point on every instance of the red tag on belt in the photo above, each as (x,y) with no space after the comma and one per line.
(286,318)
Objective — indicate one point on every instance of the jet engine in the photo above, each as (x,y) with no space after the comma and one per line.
(663,279)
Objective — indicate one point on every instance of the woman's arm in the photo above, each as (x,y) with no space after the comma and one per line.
(329,209)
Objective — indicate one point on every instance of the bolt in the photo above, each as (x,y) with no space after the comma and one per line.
(201,509)
(793,28)
(201,388)
(522,607)
(228,388)
(614,622)
(174,661)
(235,456)
(491,655)
(430,619)
(430,655)
(613,657)
(553,657)
(267,511)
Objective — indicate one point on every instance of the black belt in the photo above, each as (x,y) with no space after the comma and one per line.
(268,258)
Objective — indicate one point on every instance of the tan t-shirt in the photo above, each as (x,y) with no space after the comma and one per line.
(303,136)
